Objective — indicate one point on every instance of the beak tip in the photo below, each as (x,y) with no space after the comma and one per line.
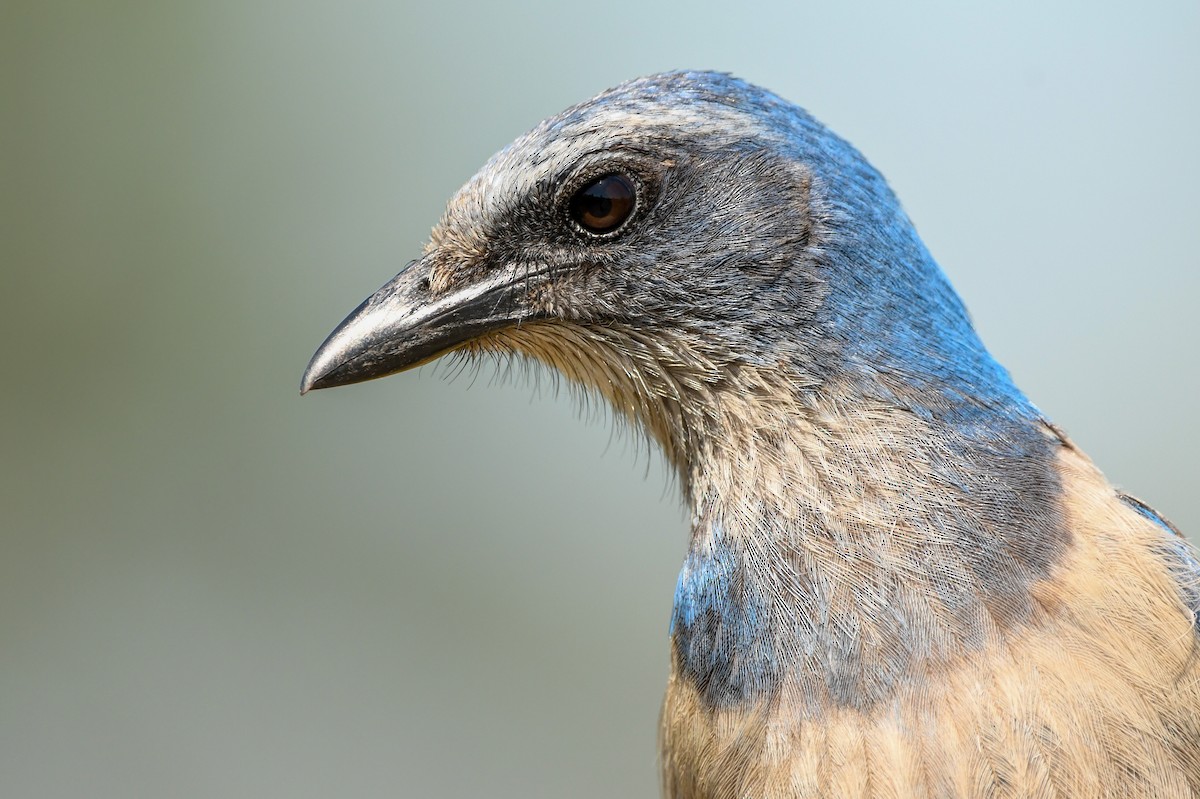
(316,374)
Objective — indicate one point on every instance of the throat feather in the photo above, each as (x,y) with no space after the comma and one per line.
(845,535)
(869,549)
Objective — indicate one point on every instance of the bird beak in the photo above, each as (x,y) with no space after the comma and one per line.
(403,325)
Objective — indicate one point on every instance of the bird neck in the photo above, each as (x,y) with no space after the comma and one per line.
(843,538)
(847,531)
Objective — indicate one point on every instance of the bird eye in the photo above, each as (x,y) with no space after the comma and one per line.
(603,205)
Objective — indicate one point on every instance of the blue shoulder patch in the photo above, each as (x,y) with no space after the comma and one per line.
(724,641)
(1181,556)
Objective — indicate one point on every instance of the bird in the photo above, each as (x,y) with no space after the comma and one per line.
(902,579)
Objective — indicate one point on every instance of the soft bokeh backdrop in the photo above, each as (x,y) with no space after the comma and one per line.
(421,587)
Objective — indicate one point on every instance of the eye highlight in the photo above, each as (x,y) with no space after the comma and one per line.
(603,205)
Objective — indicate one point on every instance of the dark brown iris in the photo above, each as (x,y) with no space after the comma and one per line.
(601,206)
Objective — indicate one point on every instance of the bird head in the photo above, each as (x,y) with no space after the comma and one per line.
(676,240)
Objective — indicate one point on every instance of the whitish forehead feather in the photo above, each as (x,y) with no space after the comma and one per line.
(549,152)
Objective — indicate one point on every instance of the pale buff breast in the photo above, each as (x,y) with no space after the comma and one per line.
(1097,697)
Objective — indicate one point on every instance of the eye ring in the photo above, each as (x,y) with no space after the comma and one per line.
(605,204)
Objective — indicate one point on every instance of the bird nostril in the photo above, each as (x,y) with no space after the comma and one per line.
(423,284)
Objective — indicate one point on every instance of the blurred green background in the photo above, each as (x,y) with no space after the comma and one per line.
(422,587)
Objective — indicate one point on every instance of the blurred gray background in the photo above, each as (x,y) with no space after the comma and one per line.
(430,587)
